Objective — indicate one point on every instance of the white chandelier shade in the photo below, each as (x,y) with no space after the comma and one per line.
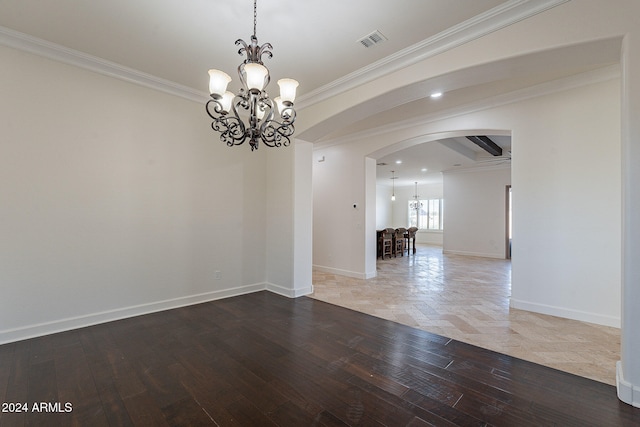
(226,100)
(218,81)
(256,76)
(288,90)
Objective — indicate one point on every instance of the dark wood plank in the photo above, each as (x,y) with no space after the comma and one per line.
(144,411)
(17,389)
(100,354)
(6,364)
(262,359)
(211,393)
(76,386)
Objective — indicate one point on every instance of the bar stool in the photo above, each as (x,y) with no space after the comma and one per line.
(398,245)
(386,241)
(411,235)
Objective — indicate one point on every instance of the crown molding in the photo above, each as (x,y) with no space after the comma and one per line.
(492,20)
(584,79)
(24,42)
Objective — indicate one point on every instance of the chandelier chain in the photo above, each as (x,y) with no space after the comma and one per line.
(255,16)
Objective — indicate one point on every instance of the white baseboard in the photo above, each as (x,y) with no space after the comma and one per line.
(32,331)
(290,293)
(627,392)
(567,313)
(478,254)
(347,273)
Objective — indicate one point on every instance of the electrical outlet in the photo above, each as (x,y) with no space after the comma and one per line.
(217,275)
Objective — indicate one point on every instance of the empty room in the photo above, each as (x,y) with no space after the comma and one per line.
(180,181)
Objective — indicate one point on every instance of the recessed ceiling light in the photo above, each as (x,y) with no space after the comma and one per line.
(398,162)
(424,169)
(436,94)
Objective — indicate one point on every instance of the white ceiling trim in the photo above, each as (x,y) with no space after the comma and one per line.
(590,77)
(494,19)
(56,52)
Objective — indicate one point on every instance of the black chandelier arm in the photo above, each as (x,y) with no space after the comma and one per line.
(237,132)
(232,129)
(266,104)
(216,106)
(288,115)
(265,49)
(277,134)
(234,133)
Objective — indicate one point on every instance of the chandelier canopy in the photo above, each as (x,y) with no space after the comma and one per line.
(269,121)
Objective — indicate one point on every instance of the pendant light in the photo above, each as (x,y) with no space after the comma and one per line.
(393,183)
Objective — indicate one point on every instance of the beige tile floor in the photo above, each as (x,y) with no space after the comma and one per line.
(467,299)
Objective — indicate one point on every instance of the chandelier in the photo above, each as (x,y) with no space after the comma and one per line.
(416,203)
(252,101)
(393,182)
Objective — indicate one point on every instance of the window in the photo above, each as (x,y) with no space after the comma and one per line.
(428,216)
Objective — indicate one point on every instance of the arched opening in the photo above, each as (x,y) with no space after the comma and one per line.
(415,172)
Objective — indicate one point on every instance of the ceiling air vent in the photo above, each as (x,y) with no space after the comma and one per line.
(372,39)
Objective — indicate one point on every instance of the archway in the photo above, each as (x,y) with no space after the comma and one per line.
(451,153)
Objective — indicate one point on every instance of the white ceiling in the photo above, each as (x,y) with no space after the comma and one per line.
(438,156)
(315,42)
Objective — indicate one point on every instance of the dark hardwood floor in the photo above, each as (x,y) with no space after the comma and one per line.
(265,360)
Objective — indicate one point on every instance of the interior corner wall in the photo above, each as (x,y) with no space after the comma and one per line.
(289,220)
(475,212)
(370,215)
(279,217)
(303,219)
(116,200)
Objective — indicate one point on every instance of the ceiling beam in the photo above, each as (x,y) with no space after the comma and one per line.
(486,144)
